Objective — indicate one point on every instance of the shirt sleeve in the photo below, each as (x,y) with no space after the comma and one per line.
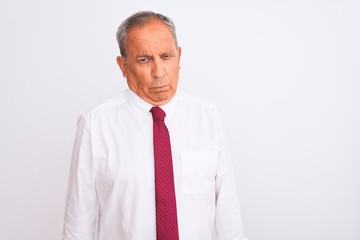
(81,210)
(228,223)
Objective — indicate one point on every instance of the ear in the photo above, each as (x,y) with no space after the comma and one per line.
(179,55)
(122,64)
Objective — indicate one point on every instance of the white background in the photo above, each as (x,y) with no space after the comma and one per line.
(284,74)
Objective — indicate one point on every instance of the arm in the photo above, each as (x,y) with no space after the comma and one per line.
(81,209)
(228,225)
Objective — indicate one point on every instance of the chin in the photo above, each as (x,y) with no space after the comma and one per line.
(161,101)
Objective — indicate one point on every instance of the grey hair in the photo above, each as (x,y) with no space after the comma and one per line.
(140,19)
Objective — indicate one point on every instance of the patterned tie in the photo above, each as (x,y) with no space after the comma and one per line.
(166,217)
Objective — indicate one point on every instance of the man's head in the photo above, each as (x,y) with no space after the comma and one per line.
(150,56)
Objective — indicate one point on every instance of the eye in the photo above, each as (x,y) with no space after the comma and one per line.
(143,60)
(166,56)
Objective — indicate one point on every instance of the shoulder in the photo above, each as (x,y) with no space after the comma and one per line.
(106,107)
(196,102)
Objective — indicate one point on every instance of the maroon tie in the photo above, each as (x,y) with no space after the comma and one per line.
(166,217)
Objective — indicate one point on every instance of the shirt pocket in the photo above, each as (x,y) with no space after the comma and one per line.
(199,170)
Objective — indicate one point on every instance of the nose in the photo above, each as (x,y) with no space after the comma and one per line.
(158,69)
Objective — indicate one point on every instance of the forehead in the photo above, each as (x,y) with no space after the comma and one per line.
(154,34)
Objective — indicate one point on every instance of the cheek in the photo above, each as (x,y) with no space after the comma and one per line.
(137,77)
(174,72)
(141,81)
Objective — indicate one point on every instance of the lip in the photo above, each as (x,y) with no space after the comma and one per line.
(160,88)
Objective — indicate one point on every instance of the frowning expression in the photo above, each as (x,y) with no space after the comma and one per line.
(152,62)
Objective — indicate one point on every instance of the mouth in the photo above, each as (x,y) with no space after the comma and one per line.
(161,88)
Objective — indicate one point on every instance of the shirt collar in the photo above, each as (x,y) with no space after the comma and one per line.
(142,108)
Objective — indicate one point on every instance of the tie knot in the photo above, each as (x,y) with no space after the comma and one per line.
(158,114)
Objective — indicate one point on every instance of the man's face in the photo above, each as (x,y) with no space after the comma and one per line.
(152,64)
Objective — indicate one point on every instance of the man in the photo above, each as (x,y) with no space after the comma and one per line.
(135,175)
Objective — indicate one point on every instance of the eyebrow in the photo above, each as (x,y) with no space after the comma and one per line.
(143,55)
(166,51)
(150,56)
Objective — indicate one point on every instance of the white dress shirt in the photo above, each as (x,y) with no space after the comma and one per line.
(111,192)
